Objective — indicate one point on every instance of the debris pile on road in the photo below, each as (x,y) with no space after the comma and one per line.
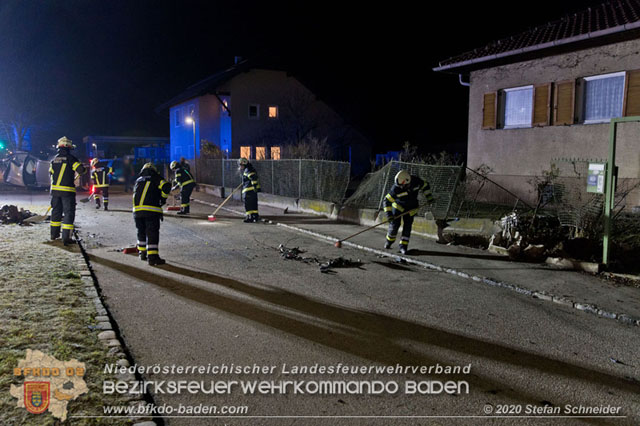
(325,266)
(11,214)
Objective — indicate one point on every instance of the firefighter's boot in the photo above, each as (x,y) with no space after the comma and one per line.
(66,237)
(142,255)
(388,245)
(55,232)
(97,203)
(155,260)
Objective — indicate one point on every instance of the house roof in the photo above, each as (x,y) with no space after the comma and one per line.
(595,25)
(207,85)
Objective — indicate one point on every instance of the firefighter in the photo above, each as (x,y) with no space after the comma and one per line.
(250,189)
(403,198)
(186,182)
(63,168)
(100,176)
(150,193)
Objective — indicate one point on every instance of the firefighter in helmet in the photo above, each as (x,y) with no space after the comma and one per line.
(186,182)
(63,168)
(150,193)
(100,174)
(250,189)
(403,198)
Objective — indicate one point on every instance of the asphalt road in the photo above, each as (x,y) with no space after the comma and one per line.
(227,296)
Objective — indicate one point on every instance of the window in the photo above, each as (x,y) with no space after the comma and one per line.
(518,102)
(273,111)
(603,97)
(245,152)
(176,114)
(261,153)
(275,152)
(254,111)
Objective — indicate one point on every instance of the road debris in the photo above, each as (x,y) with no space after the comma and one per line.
(326,266)
(11,214)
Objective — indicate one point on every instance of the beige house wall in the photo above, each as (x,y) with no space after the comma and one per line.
(516,155)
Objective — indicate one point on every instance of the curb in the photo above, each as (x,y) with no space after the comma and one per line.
(110,334)
(542,295)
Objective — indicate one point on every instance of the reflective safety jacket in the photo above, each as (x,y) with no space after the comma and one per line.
(404,198)
(250,179)
(150,193)
(62,169)
(101,174)
(184,177)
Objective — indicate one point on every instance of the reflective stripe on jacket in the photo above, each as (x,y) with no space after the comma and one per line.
(62,170)
(100,175)
(150,193)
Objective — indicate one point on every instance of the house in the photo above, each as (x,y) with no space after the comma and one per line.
(256,112)
(551,91)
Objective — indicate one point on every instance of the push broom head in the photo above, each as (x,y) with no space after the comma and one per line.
(338,244)
(173,208)
(211,218)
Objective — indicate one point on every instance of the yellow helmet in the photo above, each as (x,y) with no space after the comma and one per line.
(403,177)
(150,166)
(94,161)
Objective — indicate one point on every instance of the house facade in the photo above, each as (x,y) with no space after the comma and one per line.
(256,113)
(551,92)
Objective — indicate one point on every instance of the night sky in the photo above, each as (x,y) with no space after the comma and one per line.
(89,67)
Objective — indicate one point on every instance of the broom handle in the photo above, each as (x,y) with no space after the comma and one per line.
(226,199)
(378,224)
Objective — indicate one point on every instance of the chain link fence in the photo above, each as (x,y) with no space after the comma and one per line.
(375,186)
(308,179)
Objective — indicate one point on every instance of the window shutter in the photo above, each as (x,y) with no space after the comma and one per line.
(563,105)
(489,110)
(541,105)
(632,94)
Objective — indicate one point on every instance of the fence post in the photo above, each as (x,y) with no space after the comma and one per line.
(299,178)
(222,166)
(273,180)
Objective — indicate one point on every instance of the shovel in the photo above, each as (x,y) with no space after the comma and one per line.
(37,218)
(86,200)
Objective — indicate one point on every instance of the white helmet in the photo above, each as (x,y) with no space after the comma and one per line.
(403,177)
(65,142)
(94,162)
(243,161)
(173,165)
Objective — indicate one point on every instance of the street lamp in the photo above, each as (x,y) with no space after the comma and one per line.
(192,121)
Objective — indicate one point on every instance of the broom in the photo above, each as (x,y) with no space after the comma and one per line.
(338,243)
(212,217)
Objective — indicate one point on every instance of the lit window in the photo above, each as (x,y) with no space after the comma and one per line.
(275,152)
(245,152)
(261,153)
(254,111)
(273,112)
(603,97)
(517,107)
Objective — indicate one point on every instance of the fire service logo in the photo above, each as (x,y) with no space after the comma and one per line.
(36,396)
